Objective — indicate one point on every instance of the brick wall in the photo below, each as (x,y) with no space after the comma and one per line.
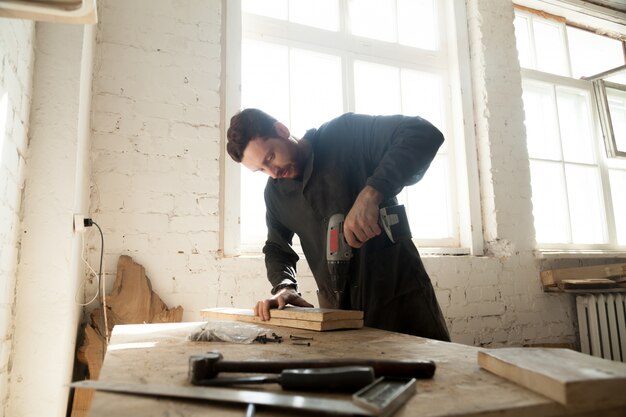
(16,67)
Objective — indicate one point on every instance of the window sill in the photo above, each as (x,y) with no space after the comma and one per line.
(578,254)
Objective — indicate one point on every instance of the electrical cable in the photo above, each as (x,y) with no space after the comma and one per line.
(95,274)
(102,282)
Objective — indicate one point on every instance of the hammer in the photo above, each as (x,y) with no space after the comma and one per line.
(209,365)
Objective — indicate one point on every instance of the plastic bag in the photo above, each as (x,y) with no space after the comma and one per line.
(227,331)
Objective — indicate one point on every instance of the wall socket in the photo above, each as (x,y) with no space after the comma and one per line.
(79,223)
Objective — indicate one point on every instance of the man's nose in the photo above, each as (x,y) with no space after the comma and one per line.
(273,171)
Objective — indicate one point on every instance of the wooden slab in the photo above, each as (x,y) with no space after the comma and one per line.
(319,319)
(566,376)
(552,277)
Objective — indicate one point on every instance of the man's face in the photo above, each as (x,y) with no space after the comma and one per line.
(277,157)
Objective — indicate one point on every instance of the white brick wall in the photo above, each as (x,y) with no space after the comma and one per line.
(16,66)
(157,144)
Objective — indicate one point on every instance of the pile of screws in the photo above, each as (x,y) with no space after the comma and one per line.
(264,339)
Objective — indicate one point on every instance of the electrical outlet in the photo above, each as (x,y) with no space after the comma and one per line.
(79,223)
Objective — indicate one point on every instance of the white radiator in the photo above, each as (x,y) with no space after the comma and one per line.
(602,325)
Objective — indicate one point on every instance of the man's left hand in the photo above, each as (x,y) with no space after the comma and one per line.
(361,223)
(279,301)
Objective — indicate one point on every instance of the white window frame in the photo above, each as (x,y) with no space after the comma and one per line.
(604,112)
(464,151)
(611,247)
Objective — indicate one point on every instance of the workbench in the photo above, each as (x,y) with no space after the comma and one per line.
(159,354)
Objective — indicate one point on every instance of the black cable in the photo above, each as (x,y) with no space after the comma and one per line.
(89,222)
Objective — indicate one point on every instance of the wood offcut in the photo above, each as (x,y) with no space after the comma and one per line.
(598,278)
(564,375)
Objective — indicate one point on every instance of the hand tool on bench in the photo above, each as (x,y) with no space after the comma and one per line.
(209,365)
(336,379)
(381,398)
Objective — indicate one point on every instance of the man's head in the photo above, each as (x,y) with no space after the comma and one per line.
(263,144)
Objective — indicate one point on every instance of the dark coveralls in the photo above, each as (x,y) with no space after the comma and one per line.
(387,281)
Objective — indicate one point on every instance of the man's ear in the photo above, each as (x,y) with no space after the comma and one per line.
(282,130)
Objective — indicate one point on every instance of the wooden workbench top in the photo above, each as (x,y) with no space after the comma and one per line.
(159,354)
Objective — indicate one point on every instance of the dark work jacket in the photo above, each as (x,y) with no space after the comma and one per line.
(387,281)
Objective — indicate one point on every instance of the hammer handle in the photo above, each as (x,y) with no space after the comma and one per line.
(382,367)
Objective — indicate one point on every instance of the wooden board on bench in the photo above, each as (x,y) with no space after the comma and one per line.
(564,375)
(319,319)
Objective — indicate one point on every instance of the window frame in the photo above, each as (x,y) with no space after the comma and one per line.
(604,113)
(465,191)
(602,158)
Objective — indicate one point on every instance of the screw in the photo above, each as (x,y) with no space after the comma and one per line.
(301,343)
(292,337)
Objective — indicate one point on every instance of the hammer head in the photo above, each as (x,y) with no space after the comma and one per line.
(203,366)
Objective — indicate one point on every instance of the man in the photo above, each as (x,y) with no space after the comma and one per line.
(353,165)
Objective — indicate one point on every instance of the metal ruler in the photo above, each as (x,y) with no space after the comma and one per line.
(381,398)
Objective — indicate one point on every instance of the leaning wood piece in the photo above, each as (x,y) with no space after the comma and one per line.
(319,319)
(566,376)
(552,277)
(131,301)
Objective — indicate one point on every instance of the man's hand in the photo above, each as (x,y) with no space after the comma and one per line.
(361,223)
(279,301)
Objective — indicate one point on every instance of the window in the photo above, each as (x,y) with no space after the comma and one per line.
(578,198)
(306,62)
(610,92)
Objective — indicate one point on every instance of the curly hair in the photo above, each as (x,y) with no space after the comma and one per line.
(245,126)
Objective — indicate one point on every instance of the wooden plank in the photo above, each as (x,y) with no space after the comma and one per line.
(288,318)
(566,376)
(317,314)
(588,284)
(552,277)
(298,313)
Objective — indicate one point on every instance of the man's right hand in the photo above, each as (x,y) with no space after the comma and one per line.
(279,301)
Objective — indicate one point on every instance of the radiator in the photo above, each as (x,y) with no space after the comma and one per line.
(602,325)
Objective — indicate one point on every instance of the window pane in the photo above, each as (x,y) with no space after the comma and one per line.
(618,185)
(376,88)
(316,89)
(585,204)
(277,9)
(550,47)
(323,14)
(592,54)
(252,220)
(523,41)
(374,19)
(264,75)
(422,95)
(576,134)
(617,109)
(542,131)
(417,24)
(549,202)
(428,203)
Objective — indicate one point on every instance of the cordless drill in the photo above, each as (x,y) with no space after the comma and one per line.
(393,221)
(338,256)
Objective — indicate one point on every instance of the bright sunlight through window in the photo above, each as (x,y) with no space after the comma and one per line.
(302,65)
(577,191)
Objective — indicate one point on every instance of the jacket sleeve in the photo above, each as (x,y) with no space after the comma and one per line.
(280,258)
(398,149)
